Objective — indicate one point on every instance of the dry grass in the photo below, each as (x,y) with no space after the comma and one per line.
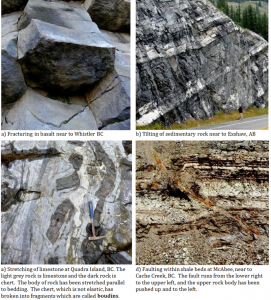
(219,117)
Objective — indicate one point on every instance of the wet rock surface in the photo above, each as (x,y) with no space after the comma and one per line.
(54,57)
(192,60)
(46,187)
(202,203)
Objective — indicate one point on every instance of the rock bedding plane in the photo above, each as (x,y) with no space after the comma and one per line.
(202,203)
(52,50)
(193,60)
(46,186)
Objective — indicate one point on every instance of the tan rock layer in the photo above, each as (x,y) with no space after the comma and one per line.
(211,195)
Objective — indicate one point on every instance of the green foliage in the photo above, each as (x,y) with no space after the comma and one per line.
(249,17)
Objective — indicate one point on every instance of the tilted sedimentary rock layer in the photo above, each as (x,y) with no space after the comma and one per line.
(202,202)
(46,187)
(59,71)
(193,60)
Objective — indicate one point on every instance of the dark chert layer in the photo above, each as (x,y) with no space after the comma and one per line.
(68,182)
(62,214)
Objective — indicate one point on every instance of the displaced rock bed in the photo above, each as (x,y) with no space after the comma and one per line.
(202,203)
(45,189)
(193,60)
(63,71)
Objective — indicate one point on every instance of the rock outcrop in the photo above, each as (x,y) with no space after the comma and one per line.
(46,186)
(112,15)
(14,84)
(192,60)
(54,49)
(202,202)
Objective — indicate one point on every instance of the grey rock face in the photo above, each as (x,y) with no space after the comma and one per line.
(45,217)
(193,60)
(12,80)
(9,6)
(54,57)
(35,111)
(113,15)
(64,63)
(109,100)
(68,15)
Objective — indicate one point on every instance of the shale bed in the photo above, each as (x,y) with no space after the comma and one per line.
(203,202)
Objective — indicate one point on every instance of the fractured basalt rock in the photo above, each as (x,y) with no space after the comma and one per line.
(12,80)
(58,65)
(109,100)
(68,15)
(113,15)
(204,202)
(192,60)
(54,57)
(37,110)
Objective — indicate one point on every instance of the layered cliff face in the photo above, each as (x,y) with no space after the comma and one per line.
(60,71)
(193,60)
(46,187)
(202,202)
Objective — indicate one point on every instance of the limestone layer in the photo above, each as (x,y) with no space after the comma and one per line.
(46,187)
